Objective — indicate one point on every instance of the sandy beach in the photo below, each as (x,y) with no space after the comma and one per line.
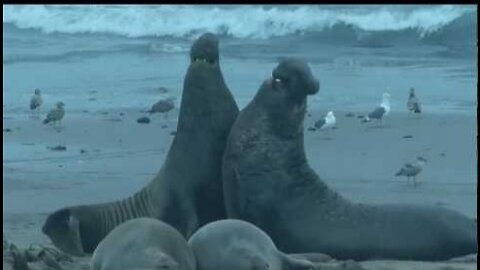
(109,156)
(111,63)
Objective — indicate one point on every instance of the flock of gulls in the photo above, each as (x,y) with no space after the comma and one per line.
(409,170)
(56,114)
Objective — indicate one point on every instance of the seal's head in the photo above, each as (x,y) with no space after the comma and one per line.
(37,91)
(60,105)
(412,91)
(64,231)
(286,92)
(205,49)
(295,77)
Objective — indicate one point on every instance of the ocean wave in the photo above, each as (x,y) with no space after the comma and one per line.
(257,22)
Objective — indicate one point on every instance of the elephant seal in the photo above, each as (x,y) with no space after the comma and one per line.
(239,245)
(187,191)
(143,243)
(267,181)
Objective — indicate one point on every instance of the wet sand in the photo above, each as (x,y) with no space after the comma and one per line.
(109,156)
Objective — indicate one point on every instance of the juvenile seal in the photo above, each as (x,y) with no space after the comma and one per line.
(187,191)
(143,243)
(267,181)
(239,245)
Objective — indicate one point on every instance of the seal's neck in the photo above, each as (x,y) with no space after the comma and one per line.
(204,95)
(288,121)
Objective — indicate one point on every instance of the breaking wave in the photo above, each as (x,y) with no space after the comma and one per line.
(255,22)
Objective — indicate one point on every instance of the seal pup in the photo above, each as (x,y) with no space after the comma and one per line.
(413,104)
(239,245)
(55,115)
(381,111)
(143,243)
(267,181)
(412,169)
(187,191)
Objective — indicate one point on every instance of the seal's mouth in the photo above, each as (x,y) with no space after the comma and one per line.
(203,60)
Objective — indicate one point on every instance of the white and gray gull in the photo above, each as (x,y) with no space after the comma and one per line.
(382,110)
(413,104)
(36,100)
(327,122)
(56,114)
(412,169)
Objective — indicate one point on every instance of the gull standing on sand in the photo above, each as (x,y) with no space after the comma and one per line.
(163,106)
(55,115)
(413,104)
(327,122)
(381,111)
(412,169)
(36,101)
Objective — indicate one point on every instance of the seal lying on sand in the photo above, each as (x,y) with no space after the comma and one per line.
(267,181)
(143,243)
(187,191)
(239,245)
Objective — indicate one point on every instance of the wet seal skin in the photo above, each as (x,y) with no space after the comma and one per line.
(187,191)
(268,182)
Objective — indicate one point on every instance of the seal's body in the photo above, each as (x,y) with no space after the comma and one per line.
(187,191)
(143,243)
(239,245)
(267,181)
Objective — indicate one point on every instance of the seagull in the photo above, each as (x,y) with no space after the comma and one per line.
(36,101)
(413,104)
(327,122)
(412,169)
(162,106)
(56,114)
(381,110)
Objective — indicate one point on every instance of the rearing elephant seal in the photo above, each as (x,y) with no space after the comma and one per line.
(187,191)
(267,181)
(239,245)
(143,243)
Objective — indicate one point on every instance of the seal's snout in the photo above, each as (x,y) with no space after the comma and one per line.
(297,76)
(315,86)
(205,49)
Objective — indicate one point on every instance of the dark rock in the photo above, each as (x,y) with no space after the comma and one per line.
(162,89)
(121,114)
(442,154)
(164,126)
(173,133)
(162,106)
(407,137)
(7,130)
(83,151)
(349,114)
(57,148)
(360,116)
(311,129)
(143,120)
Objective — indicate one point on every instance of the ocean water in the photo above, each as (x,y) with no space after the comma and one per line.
(95,57)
